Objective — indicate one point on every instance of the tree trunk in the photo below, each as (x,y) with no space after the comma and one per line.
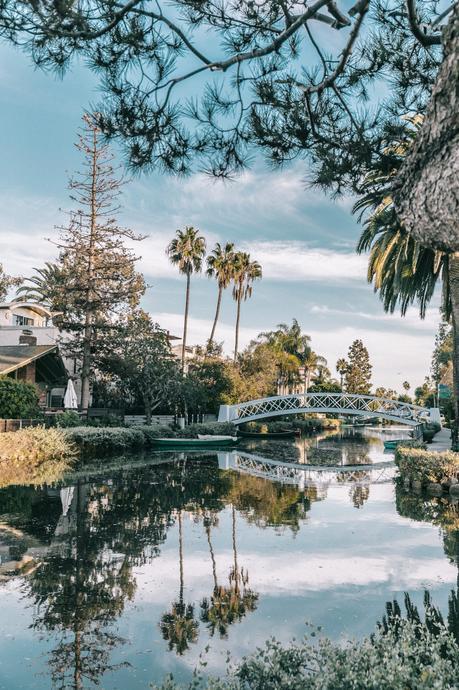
(181,556)
(147,405)
(212,556)
(238,318)
(217,314)
(426,192)
(185,321)
(86,365)
(454,290)
(236,566)
(88,325)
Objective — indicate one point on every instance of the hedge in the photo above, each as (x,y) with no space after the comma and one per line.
(98,441)
(424,466)
(308,425)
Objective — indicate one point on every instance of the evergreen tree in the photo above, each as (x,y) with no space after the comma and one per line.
(96,270)
(357,378)
(141,363)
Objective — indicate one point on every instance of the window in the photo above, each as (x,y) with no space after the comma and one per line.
(19,320)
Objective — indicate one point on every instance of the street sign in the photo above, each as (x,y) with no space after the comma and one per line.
(444,391)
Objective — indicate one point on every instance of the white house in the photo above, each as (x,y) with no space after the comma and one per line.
(29,350)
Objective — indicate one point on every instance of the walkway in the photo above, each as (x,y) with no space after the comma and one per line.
(441,441)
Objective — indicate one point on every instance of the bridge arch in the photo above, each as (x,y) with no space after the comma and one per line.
(328,403)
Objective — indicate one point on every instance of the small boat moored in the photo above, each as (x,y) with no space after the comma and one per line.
(393,443)
(203,441)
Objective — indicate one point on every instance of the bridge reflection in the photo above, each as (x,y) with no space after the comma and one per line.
(299,475)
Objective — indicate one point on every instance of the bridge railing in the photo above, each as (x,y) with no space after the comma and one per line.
(334,403)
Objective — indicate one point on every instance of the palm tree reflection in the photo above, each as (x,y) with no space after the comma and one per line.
(228,604)
(179,626)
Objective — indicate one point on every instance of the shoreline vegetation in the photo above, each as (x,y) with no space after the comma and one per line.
(35,456)
(402,653)
(38,455)
(425,470)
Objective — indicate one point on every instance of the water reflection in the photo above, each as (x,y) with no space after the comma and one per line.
(349,446)
(229,604)
(196,550)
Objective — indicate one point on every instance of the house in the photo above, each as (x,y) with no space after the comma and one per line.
(30,325)
(41,365)
(29,350)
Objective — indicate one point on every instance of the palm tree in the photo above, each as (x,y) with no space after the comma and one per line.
(402,271)
(341,368)
(245,273)
(47,286)
(311,361)
(220,265)
(187,251)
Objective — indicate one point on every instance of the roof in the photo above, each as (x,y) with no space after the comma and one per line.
(16,356)
(33,306)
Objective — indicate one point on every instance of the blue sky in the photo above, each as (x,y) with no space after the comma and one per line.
(304,241)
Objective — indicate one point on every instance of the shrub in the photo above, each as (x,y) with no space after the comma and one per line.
(18,400)
(157,431)
(409,655)
(109,420)
(211,428)
(425,466)
(67,419)
(34,456)
(429,429)
(308,425)
(94,441)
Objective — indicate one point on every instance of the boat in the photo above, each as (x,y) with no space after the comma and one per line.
(203,441)
(393,443)
(273,434)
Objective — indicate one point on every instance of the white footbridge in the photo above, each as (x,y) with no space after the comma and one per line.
(329,403)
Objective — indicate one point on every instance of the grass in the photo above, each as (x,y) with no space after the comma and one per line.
(34,456)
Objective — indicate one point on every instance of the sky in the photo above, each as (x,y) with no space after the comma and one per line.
(304,240)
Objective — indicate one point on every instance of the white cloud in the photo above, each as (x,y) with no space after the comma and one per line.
(313,572)
(396,356)
(412,319)
(199,330)
(288,261)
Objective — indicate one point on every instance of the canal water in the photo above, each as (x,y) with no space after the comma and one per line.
(140,567)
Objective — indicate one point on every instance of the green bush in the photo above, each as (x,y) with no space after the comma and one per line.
(425,466)
(308,425)
(109,420)
(429,429)
(18,400)
(408,656)
(67,419)
(211,428)
(93,441)
(157,431)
